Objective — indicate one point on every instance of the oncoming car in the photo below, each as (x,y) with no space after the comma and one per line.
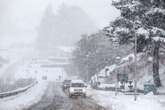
(77,88)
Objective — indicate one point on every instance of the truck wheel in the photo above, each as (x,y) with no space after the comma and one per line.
(70,96)
(84,96)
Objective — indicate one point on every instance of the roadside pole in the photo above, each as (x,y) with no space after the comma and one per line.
(116,86)
(117,72)
(87,68)
(135,80)
(117,60)
(136,26)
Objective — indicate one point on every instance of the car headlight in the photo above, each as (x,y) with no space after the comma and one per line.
(71,90)
(84,90)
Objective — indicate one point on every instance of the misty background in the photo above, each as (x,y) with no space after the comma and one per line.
(29,28)
(24,22)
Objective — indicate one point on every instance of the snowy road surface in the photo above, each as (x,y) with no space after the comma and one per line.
(126,102)
(26,99)
(56,99)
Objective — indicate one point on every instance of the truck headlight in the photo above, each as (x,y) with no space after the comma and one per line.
(71,90)
(84,90)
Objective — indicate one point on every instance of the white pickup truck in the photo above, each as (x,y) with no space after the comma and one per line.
(77,88)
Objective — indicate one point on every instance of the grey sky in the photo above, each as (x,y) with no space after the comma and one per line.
(19,18)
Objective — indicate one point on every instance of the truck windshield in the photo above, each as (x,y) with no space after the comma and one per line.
(78,85)
(67,82)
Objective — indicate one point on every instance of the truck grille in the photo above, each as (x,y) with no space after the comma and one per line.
(78,90)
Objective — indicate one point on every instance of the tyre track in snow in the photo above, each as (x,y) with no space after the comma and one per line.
(56,99)
(85,104)
(53,99)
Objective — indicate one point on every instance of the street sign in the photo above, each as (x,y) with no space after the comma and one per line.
(122,77)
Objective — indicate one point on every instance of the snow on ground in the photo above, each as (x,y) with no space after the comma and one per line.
(126,102)
(33,95)
(26,99)
(28,69)
(104,86)
(109,69)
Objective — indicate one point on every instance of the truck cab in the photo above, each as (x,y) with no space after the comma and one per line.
(77,88)
(66,84)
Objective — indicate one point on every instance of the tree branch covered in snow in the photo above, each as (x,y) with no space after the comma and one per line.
(145,20)
(94,52)
(156,10)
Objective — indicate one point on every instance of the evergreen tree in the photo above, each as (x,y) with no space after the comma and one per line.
(146,20)
(94,52)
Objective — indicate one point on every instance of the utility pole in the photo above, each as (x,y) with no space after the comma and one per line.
(117,72)
(136,26)
(135,80)
(116,85)
(87,68)
(116,45)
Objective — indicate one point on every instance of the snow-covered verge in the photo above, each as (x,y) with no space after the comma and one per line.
(108,100)
(126,65)
(16,91)
(26,99)
(104,86)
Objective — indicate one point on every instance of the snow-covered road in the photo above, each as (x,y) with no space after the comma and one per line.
(26,99)
(53,99)
(28,69)
(56,99)
(47,94)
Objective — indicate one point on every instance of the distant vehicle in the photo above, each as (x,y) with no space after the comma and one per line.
(149,87)
(44,78)
(77,88)
(66,84)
